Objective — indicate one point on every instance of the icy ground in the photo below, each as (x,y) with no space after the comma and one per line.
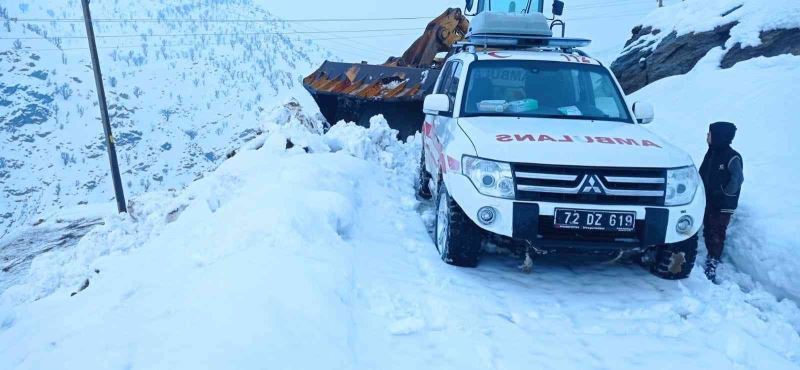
(295,260)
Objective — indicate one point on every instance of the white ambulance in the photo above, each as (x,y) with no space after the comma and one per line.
(529,140)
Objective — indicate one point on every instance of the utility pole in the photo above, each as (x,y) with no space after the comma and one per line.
(101,96)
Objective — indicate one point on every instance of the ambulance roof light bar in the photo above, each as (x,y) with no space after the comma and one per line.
(519,41)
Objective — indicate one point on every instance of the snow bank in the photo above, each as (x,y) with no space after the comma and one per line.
(151,213)
(756,95)
(176,252)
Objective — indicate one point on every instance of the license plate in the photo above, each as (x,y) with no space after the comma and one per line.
(579,219)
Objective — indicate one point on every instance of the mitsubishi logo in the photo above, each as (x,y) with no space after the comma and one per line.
(591,185)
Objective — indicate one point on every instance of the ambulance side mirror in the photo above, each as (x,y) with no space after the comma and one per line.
(643,112)
(436,104)
(558,7)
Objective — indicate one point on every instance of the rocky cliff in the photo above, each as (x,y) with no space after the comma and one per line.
(663,47)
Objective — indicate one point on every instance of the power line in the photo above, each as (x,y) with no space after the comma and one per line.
(610,4)
(215,34)
(618,15)
(340,39)
(200,20)
(185,44)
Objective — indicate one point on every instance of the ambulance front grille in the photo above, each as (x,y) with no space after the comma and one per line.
(590,185)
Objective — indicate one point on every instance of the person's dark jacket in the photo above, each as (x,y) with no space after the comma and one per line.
(722,170)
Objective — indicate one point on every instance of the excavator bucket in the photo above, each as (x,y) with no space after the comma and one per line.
(357,92)
(396,89)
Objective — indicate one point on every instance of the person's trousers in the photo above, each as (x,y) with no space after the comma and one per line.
(715,231)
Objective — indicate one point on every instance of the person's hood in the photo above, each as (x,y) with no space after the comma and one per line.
(722,134)
(570,142)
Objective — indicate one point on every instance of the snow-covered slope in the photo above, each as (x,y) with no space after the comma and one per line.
(287,259)
(178,103)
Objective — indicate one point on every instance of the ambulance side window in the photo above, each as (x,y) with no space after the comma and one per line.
(452,85)
(444,80)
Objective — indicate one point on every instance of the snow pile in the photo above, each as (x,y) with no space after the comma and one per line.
(150,213)
(753,94)
(315,257)
(292,115)
(751,17)
(378,143)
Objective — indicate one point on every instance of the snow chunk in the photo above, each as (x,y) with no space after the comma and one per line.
(378,142)
(292,115)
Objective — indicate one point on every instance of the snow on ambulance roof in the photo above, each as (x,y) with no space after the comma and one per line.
(552,56)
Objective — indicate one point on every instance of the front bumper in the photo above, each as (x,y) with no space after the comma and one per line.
(532,221)
(528,224)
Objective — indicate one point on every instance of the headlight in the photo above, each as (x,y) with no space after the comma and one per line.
(682,185)
(489,177)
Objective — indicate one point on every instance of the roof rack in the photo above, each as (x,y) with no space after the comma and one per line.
(524,41)
(516,42)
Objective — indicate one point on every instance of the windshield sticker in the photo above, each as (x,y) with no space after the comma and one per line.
(577,139)
(570,111)
(503,74)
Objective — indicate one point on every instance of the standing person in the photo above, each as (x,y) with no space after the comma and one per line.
(722,172)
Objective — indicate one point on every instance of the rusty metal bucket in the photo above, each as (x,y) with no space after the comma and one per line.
(356,92)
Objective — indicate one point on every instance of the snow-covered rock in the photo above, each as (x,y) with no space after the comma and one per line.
(671,40)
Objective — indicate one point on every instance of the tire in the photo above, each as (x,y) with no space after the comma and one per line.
(423,179)
(458,239)
(675,261)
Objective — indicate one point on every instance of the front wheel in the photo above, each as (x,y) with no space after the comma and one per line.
(675,261)
(458,239)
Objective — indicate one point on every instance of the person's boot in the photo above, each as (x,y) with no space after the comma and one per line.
(711,269)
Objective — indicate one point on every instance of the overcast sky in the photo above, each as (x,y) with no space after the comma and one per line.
(606,22)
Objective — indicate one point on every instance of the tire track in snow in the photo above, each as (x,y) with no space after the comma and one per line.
(631,303)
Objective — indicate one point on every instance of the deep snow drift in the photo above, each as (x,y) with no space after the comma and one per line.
(288,259)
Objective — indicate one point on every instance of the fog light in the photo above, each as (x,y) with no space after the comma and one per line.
(487,215)
(684,225)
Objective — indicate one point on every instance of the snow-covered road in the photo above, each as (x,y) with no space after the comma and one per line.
(287,260)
